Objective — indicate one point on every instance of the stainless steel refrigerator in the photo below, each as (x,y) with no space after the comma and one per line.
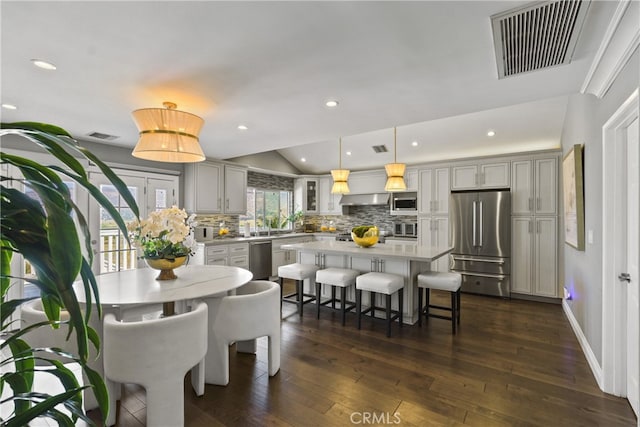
(481,239)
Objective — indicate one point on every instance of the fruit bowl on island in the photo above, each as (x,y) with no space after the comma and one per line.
(365,235)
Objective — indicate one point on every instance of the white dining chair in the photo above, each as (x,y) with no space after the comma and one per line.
(31,313)
(252,313)
(155,354)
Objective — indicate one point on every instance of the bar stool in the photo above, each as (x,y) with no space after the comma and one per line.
(340,277)
(449,282)
(380,283)
(298,272)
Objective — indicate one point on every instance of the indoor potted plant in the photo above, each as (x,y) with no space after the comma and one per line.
(52,235)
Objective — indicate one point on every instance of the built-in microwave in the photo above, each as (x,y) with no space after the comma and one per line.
(404,203)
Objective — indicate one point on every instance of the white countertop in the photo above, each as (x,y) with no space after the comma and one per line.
(228,240)
(411,252)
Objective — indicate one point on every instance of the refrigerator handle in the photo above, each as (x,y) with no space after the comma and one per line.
(473,221)
(480,223)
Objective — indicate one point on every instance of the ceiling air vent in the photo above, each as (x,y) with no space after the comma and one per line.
(537,36)
(103,136)
(380,148)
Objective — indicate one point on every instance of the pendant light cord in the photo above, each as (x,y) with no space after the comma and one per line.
(395,147)
(340,154)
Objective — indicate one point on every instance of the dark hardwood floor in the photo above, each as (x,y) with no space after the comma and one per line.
(512,363)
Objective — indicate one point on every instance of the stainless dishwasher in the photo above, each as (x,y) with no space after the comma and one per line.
(260,259)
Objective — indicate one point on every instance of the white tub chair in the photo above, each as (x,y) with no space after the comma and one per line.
(32,313)
(252,313)
(155,354)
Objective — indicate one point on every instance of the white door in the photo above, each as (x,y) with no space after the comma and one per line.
(633,256)
(161,193)
(111,251)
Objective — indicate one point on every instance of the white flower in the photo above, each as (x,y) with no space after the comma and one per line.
(166,232)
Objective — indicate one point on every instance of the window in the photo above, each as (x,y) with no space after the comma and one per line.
(267,209)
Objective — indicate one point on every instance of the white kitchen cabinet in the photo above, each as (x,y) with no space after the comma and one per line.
(433,191)
(212,187)
(433,231)
(534,250)
(238,255)
(305,195)
(234,254)
(411,179)
(235,190)
(329,202)
(534,187)
(481,175)
(281,256)
(203,187)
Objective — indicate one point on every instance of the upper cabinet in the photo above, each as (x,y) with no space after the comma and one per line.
(305,195)
(433,191)
(329,202)
(212,187)
(411,179)
(235,189)
(480,175)
(534,189)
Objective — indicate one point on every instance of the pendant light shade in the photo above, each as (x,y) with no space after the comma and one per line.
(340,176)
(395,171)
(168,135)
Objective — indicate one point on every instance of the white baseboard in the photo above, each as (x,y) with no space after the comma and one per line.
(596,369)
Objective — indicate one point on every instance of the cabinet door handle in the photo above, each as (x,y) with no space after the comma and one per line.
(227,203)
(374,263)
(218,202)
(530,203)
(529,227)
(436,205)
(381,265)
(538,203)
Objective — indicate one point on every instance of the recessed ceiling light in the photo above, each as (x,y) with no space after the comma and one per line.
(414,143)
(331,103)
(43,64)
(9,106)
(303,160)
(491,133)
(242,127)
(348,153)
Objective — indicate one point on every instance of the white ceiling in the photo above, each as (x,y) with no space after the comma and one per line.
(426,67)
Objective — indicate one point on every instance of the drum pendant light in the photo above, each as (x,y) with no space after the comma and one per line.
(340,176)
(395,171)
(168,135)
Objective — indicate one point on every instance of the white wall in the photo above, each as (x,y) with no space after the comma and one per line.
(585,117)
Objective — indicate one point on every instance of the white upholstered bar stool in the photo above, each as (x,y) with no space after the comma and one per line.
(336,277)
(449,282)
(380,283)
(156,354)
(298,272)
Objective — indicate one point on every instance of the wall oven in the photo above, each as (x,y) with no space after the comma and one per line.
(405,229)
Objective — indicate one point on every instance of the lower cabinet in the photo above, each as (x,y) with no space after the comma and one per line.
(281,256)
(433,231)
(233,254)
(534,251)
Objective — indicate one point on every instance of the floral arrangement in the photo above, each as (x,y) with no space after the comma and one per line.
(165,234)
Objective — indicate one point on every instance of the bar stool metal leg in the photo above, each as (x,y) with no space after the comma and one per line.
(359,306)
(388,298)
(343,305)
(400,306)
(318,289)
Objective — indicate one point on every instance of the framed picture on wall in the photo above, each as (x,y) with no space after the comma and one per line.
(573,193)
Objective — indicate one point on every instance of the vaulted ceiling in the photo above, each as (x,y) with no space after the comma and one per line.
(428,68)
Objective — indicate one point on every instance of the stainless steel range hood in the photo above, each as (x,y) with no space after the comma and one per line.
(365,199)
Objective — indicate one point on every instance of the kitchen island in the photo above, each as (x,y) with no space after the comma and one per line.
(406,260)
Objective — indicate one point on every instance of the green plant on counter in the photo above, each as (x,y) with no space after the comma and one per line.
(274,222)
(52,234)
(293,218)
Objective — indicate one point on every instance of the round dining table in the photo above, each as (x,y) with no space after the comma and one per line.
(139,286)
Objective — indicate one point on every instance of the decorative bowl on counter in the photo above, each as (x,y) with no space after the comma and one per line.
(365,235)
